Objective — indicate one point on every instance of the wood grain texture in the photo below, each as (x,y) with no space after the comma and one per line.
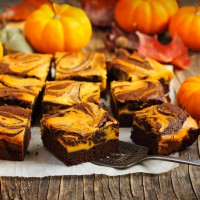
(181,183)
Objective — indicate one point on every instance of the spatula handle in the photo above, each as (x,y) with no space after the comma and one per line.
(174,159)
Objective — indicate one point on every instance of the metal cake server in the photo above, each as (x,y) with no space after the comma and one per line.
(130,154)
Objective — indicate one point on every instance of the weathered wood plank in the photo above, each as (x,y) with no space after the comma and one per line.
(88,187)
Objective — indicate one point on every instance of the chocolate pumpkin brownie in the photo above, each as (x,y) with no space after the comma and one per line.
(164,129)
(81,133)
(128,97)
(26,65)
(14,132)
(19,91)
(65,94)
(135,67)
(80,66)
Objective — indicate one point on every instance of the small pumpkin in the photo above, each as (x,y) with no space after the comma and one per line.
(186,25)
(58,28)
(188,96)
(150,17)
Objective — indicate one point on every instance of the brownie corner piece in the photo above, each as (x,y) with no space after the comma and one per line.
(15,132)
(164,129)
(80,134)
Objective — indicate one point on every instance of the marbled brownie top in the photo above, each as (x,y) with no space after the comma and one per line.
(80,121)
(14,121)
(81,66)
(14,88)
(165,119)
(124,91)
(134,67)
(26,65)
(70,92)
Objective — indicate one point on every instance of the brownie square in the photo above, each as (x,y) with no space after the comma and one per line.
(81,66)
(14,132)
(26,65)
(81,133)
(134,67)
(164,129)
(128,97)
(60,95)
(19,91)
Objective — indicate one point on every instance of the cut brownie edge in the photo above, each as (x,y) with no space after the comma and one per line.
(74,158)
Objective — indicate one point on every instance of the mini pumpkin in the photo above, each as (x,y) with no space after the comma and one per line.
(186,25)
(188,96)
(150,17)
(58,28)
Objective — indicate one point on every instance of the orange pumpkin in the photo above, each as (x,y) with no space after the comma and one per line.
(58,28)
(188,96)
(186,24)
(146,16)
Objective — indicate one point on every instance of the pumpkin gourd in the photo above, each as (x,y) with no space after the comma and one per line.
(186,25)
(150,17)
(188,96)
(58,28)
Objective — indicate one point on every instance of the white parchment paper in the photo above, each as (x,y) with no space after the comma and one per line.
(40,163)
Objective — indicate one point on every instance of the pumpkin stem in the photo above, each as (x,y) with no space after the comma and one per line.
(197,7)
(52,2)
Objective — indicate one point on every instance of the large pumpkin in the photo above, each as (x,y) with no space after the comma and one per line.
(147,16)
(188,96)
(186,25)
(58,28)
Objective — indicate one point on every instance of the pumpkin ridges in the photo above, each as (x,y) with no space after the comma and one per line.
(72,37)
(51,35)
(56,29)
(195,23)
(121,15)
(192,106)
(170,9)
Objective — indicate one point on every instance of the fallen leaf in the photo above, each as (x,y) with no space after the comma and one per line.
(100,13)
(174,52)
(22,10)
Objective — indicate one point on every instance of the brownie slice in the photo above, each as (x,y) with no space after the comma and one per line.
(60,95)
(19,91)
(14,132)
(81,133)
(135,67)
(128,97)
(80,66)
(164,129)
(26,65)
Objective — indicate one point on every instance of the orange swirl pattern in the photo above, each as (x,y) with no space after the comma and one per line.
(26,65)
(68,93)
(89,66)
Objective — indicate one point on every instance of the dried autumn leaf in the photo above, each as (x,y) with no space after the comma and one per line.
(22,10)
(174,52)
(101,13)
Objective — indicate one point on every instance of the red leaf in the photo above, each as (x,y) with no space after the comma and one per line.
(101,13)
(175,52)
(22,10)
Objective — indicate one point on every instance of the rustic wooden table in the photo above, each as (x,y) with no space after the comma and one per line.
(181,183)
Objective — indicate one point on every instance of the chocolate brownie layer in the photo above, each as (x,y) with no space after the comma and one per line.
(128,97)
(134,68)
(64,94)
(26,65)
(164,129)
(80,66)
(80,129)
(14,132)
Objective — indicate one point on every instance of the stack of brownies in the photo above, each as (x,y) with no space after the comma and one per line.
(74,126)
